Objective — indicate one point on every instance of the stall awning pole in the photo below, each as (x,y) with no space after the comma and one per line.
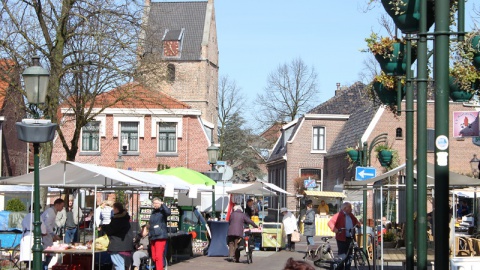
(94,227)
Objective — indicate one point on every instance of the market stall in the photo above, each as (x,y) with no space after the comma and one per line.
(333,200)
(76,175)
(271,233)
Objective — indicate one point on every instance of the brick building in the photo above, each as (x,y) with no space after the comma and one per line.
(172,114)
(314,145)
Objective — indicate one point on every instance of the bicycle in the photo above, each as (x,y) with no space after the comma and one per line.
(246,244)
(360,258)
(321,255)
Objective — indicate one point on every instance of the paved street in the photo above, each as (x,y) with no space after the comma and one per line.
(263,260)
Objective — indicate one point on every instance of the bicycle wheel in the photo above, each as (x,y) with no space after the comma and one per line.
(360,259)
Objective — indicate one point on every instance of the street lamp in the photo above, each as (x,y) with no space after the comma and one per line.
(212,152)
(36,131)
(119,163)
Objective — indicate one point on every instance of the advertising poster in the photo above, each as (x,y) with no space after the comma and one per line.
(465,124)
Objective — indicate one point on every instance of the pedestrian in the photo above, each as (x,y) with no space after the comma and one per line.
(48,218)
(103,215)
(26,242)
(120,246)
(71,233)
(289,225)
(309,223)
(157,231)
(251,209)
(60,220)
(235,232)
(141,247)
(343,224)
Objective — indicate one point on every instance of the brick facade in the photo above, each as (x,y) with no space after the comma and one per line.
(336,168)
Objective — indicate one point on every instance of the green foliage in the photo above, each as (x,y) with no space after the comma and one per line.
(381,45)
(388,81)
(15,205)
(389,237)
(463,71)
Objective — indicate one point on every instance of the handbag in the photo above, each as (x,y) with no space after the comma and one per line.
(295,236)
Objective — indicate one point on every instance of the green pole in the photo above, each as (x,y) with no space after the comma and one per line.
(37,232)
(409,190)
(363,160)
(442,40)
(422,140)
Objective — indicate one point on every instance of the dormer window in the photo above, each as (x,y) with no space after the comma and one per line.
(172,43)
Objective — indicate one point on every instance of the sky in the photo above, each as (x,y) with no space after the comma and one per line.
(256,36)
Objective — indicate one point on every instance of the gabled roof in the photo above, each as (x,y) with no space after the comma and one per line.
(173,16)
(135,96)
(354,102)
(351,101)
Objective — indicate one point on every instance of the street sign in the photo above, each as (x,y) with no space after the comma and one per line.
(309,183)
(364,173)
(221,163)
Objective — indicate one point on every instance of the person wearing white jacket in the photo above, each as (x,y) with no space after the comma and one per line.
(289,225)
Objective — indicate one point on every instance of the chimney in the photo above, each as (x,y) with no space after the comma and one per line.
(338,89)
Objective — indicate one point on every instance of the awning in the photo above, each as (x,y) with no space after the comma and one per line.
(324,193)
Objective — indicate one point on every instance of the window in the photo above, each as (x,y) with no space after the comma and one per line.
(167,137)
(319,138)
(399,133)
(129,136)
(90,136)
(171,72)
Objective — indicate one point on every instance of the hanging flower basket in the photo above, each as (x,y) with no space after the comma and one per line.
(385,157)
(385,94)
(457,94)
(395,63)
(354,155)
(406,14)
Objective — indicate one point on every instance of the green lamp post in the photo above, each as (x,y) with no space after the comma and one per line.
(36,131)
(212,152)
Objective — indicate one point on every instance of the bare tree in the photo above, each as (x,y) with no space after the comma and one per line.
(89,46)
(290,92)
(230,101)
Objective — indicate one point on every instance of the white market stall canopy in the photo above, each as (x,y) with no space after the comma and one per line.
(258,188)
(74,174)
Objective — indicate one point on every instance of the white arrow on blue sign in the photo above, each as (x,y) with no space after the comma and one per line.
(364,173)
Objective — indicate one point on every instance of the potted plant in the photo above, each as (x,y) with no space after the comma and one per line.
(406,13)
(390,52)
(385,88)
(389,240)
(464,79)
(387,156)
(353,155)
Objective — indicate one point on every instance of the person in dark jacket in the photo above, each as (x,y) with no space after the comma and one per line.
(121,241)
(157,233)
(309,229)
(235,231)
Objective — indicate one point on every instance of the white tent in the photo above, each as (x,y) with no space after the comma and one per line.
(75,174)
(256,188)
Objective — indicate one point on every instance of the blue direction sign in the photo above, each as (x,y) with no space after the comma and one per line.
(364,173)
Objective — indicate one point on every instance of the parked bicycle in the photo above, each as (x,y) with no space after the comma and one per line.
(321,255)
(360,258)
